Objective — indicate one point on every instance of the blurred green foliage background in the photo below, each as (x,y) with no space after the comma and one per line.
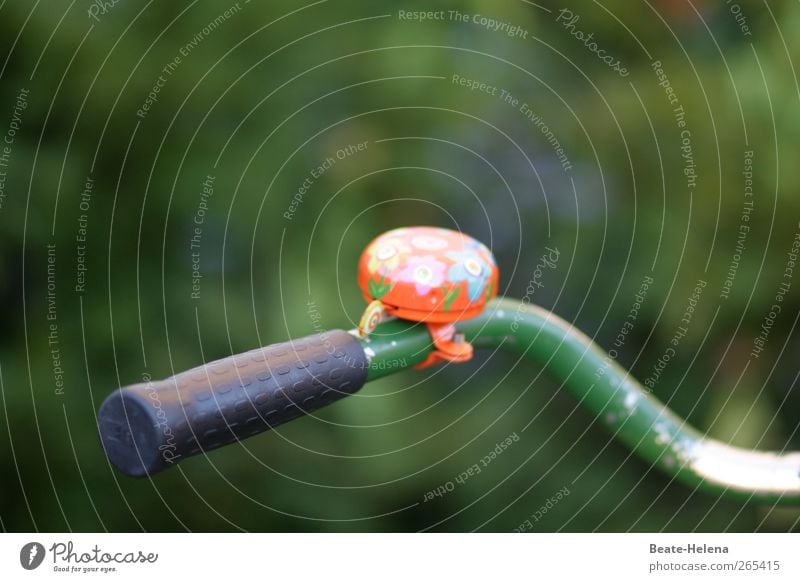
(267,95)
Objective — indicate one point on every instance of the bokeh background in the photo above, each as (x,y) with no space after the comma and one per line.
(263,96)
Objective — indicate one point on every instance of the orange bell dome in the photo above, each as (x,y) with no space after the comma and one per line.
(428,274)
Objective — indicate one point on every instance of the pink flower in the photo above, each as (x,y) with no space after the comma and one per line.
(425,272)
(385,257)
(430,243)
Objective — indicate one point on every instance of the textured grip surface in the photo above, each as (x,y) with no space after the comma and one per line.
(149,427)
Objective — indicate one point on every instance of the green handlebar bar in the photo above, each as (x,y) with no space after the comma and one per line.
(630,412)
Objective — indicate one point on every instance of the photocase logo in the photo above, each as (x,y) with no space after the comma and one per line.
(31,555)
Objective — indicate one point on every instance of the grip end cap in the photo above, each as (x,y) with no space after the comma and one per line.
(130,434)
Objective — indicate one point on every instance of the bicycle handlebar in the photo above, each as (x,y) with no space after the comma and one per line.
(133,422)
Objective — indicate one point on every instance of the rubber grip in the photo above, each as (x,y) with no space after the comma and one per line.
(149,427)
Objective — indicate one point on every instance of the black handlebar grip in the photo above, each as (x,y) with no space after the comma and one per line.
(149,427)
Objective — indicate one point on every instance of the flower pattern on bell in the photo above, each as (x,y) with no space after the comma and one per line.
(424,272)
(386,255)
(471,267)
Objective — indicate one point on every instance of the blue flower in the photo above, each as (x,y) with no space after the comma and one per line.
(469,267)
(479,247)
